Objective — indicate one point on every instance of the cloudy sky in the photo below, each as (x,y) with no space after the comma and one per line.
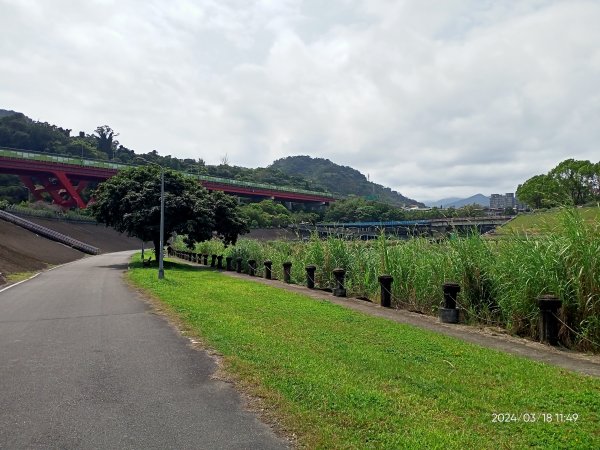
(433,98)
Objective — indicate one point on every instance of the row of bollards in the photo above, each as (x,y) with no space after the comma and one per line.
(449,313)
(549,305)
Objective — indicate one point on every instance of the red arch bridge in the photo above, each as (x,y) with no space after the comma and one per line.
(65,177)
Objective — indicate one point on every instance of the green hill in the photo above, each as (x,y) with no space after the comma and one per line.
(341,180)
(545,221)
(6,112)
(316,174)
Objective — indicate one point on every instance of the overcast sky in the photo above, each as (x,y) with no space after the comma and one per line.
(433,98)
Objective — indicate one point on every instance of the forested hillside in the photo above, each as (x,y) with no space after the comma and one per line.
(20,132)
(5,112)
(316,174)
(342,180)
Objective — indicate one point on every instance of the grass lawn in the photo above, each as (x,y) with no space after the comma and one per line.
(544,221)
(340,379)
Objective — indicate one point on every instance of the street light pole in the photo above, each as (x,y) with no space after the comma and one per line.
(161,271)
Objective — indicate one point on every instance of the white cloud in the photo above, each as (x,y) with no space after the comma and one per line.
(431,98)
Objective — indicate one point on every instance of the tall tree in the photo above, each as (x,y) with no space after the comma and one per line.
(106,140)
(575,180)
(571,182)
(541,191)
(130,203)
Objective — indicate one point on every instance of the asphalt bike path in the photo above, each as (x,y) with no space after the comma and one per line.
(85,363)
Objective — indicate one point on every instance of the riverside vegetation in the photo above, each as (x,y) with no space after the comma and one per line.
(336,378)
(501,278)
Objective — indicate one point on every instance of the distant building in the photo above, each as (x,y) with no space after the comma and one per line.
(504,201)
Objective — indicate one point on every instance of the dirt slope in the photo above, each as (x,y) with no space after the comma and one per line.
(24,251)
(106,239)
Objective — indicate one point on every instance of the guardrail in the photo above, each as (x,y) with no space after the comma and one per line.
(259,185)
(50,234)
(61,159)
(68,216)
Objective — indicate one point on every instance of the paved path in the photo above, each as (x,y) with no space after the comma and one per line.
(84,363)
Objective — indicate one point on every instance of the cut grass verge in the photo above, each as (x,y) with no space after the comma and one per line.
(12,278)
(341,379)
(544,221)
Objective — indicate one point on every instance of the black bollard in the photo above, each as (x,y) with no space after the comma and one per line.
(449,312)
(238,262)
(310,276)
(268,264)
(220,262)
(385,281)
(339,290)
(251,267)
(213,260)
(287,272)
(205,258)
(549,306)
(228,263)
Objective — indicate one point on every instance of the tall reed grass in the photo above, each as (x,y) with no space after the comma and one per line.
(500,279)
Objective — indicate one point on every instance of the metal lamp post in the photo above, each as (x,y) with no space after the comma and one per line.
(161,270)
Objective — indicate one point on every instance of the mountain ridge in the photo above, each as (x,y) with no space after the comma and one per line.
(318,174)
(457,202)
(341,180)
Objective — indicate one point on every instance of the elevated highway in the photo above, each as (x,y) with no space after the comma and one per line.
(64,178)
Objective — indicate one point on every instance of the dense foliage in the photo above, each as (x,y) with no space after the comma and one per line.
(501,280)
(20,132)
(571,182)
(130,202)
(356,209)
(271,214)
(342,180)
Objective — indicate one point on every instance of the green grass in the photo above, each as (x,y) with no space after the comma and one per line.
(544,221)
(20,276)
(341,379)
(501,279)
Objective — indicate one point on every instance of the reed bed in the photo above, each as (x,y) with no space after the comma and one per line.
(500,279)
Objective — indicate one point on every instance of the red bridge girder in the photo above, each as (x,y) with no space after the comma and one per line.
(65,182)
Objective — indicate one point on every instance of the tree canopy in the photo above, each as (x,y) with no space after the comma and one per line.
(572,182)
(130,203)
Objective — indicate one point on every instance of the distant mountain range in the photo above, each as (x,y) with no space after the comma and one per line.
(457,202)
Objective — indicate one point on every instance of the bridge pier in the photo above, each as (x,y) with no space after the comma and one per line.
(59,187)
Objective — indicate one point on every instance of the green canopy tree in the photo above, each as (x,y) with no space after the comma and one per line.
(106,141)
(571,182)
(541,191)
(130,203)
(576,179)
